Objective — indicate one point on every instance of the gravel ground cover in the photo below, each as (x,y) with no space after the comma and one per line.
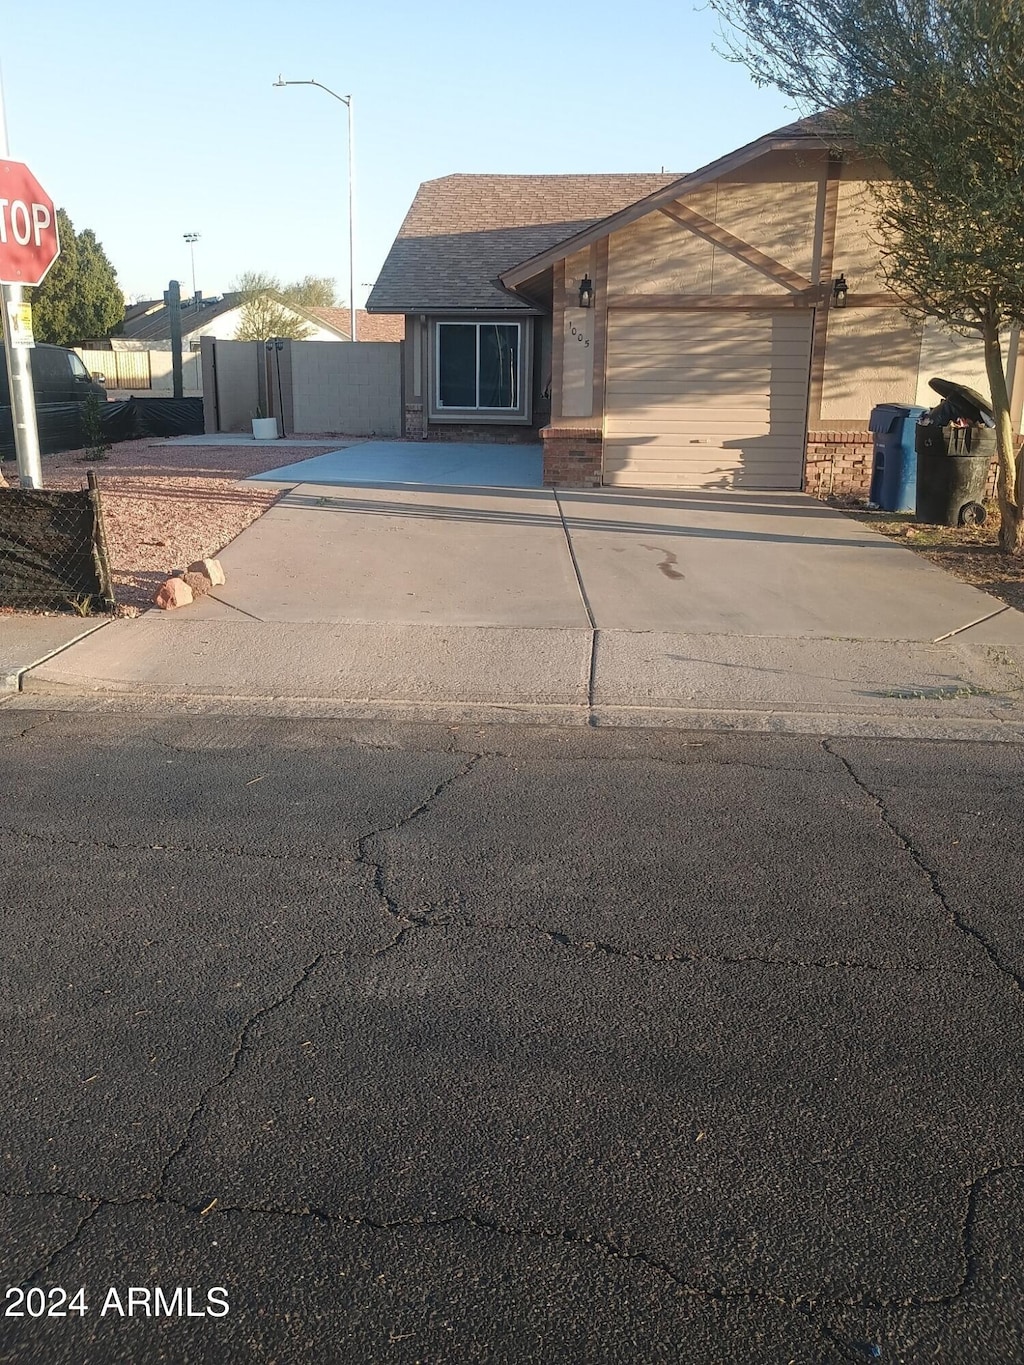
(166,505)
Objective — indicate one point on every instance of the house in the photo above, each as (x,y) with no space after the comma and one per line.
(729,328)
(478,355)
(147,326)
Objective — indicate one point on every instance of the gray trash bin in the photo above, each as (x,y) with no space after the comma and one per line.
(955,444)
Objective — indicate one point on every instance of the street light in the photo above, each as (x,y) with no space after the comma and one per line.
(192,238)
(346,100)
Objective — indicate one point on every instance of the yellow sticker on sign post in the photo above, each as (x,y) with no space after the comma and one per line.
(20,315)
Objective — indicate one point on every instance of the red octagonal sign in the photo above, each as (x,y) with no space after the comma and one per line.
(28,226)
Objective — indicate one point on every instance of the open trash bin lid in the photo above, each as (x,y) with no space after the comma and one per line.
(969,403)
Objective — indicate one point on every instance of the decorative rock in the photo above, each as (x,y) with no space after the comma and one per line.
(198,582)
(174,593)
(212,570)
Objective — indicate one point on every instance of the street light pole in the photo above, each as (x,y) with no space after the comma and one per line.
(192,238)
(346,100)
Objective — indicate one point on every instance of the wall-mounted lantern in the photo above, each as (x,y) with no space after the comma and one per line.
(586,292)
(840,289)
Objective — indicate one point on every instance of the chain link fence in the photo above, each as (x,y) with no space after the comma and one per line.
(53,551)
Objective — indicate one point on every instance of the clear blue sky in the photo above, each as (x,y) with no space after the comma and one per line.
(148,121)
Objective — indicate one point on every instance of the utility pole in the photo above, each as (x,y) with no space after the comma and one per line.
(173,297)
(19,371)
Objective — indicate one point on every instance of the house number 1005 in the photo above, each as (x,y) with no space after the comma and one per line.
(578,334)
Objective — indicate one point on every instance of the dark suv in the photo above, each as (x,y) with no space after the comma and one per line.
(58,376)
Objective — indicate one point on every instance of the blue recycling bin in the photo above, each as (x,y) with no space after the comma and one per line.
(894,468)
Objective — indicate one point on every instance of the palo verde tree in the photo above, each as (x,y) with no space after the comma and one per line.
(80,299)
(935,89)
(267,304)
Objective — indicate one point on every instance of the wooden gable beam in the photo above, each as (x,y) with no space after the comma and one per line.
(720,236)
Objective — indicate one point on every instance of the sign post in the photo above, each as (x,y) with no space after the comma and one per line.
(28,247)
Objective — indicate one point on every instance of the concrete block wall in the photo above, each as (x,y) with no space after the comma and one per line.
(233,385)
(345,388)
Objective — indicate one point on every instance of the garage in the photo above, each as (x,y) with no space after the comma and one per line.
(707,398)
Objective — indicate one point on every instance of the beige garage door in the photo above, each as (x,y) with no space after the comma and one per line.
(706,399)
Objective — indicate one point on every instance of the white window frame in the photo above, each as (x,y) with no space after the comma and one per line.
(440,407)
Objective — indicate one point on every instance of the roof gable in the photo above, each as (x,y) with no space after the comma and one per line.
(805,133)
(463,231)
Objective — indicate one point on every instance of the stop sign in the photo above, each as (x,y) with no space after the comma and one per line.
(28,226)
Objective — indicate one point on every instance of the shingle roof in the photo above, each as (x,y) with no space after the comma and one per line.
(369,326)
(462,231)
(156,325)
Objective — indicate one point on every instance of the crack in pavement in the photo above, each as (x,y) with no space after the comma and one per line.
(241,1046)
(955,919)
(376,866)
(603,1243)
(693,958)
(53,1256)
(28,730)
(104,846)
(809,1307)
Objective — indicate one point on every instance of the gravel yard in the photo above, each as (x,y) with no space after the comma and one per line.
(165,505)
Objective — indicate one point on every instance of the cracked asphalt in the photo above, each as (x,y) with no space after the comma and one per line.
(446,1044)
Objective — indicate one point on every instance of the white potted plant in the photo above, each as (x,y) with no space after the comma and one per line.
(263,428)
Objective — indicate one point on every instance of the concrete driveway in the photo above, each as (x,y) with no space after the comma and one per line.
(605,604)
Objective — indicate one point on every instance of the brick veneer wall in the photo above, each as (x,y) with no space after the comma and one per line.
(414,428)
(838,462)
(573,456)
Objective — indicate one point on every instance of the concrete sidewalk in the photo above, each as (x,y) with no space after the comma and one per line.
(26,641)
(748,611)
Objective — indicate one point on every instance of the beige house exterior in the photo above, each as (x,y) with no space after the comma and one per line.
(717,352)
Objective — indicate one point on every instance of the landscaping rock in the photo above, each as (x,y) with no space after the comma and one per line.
(198,582)
(212,570)
(174,593)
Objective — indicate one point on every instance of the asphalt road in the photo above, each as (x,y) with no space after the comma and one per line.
(432,1044)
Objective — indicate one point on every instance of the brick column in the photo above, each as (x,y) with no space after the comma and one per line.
(838,462)
(573,455)
(415,425)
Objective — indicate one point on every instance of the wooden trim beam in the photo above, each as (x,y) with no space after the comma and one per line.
(557,339)
(599,274)
(634,303)
(826,257)
(736,246)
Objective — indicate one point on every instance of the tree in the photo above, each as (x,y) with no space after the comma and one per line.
(80,299)
(313,291)
(934,89)
(266,303)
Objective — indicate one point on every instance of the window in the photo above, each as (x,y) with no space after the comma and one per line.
(77,368)
(478,365)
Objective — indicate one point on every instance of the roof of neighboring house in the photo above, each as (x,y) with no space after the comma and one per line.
(463,231)
(369,326)
(155,324)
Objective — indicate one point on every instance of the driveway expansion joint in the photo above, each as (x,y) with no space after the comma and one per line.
(954,917)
